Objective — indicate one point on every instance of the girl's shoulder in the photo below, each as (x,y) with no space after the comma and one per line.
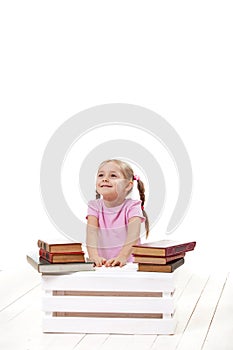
(132,202)
(95,203)
(134,208)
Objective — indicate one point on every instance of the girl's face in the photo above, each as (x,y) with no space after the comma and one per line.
(111,184)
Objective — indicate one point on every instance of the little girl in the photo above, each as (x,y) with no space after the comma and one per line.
(114,222)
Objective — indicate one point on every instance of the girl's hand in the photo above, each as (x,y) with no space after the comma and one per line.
(99,261)
(118,261)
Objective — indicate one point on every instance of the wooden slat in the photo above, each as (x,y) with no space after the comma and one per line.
(108,325)
(106,294)
(108,304)
(107,315)
(130,282)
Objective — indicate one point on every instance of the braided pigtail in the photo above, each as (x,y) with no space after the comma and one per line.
(141,190)
(97,195)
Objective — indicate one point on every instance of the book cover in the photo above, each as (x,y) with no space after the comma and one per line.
(60,246)
(62,257)
(169,267)
(147,259)
(163,248)
(43,266)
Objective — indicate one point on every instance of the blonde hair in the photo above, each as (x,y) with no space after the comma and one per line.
(128,174)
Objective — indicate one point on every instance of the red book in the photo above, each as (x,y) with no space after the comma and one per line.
(62,257)
(163,248)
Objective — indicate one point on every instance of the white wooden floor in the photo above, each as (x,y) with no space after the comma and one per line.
(204,309)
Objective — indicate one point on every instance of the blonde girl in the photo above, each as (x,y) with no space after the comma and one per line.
(114,221)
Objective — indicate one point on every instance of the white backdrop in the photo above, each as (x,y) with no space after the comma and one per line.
(61,57)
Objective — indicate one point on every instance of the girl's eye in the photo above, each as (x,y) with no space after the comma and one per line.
(100,175)
(113,175)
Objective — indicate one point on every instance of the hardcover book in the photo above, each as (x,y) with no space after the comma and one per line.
(169,267)
(46,267)
(163,248)
(62,257)
(147,259)
(60,246)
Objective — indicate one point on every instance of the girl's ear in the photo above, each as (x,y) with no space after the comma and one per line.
(130,186)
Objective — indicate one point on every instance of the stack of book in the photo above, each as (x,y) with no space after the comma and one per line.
(61,252)
(57,257)
(161,256)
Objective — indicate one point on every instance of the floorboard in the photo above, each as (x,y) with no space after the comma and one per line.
(200,319)
(185,306)
(15,283)
(125,342)
(221,328)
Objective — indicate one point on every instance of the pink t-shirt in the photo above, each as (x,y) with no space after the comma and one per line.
(113,223)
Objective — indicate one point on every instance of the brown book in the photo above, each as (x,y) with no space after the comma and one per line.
(169,267)
(163,248)
(62,257)
(146,259)
(60,246)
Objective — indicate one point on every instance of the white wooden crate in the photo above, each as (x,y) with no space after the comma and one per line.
(109,300)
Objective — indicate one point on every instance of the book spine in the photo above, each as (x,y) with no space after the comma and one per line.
(43,245)
(79,253)
(69,253)
(60,248)
(179,249)
(46,255)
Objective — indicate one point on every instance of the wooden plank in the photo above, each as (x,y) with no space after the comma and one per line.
(221,328)
(22,303)
(21,327)
(92,341)
(15,283)
(182,279)
(108,304)
(108,314)
(184,308)
(108,325)
(58,341)
(88,293)
(197,327)
(89,281)
(126,342)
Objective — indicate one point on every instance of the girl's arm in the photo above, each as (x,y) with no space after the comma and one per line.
(92,241)
(132,238)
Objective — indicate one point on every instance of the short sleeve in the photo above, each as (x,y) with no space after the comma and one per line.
(92,209)
(135,209)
